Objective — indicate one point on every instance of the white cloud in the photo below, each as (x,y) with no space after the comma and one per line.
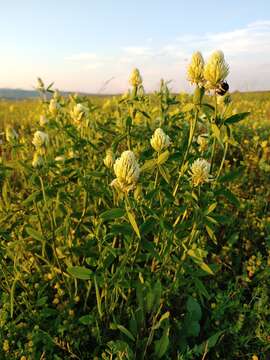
(137,50)
(82,57)
(247,50)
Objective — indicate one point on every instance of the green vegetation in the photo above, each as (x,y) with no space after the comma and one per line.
(161,254)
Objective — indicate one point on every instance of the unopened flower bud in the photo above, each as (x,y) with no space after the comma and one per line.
(109,159)
(11,134)
(135,78)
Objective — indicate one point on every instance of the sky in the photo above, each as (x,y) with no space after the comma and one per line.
(93,45)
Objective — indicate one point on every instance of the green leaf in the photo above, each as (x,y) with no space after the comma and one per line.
(236,118)
(112,214)
(121,229)
(201,288)
(216,131)
(163,157)
(117,141)
(126,332)
(206,268)
(193,328)
(133,223)
(162,344)
(87,319)
(148,165)
(208,344)
(165,173)
(98,298)
(208,106)
(144,113)
(32,198)
(199,261)
(229,196)
(211,208)
(80,272)
(232,175)
(194,309)
(187,107)
(211,234)
(165,316)
(34,234)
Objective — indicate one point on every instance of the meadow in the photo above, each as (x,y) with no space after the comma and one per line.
(136,226)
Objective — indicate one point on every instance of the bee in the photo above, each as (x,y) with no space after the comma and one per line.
(223,88)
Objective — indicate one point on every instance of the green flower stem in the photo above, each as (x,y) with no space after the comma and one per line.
(222,161)
(191,134)
(215,140)
(129,137)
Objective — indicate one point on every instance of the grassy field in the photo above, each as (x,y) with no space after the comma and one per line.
(136,226)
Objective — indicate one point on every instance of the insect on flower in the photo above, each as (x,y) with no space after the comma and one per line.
(222,88)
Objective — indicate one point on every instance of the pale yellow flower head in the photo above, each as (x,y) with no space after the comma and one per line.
(11,134)
(78,112)
(127,172)
(37,160)
(159,140)
(109,159)
(200,172)
(195,69)
(41,139)
(202,142)
(135,78)
(54,107)
(216,70)
(43,120)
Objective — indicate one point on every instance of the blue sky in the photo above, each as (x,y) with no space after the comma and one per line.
(82,44)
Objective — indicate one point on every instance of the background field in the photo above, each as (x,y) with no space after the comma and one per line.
(87,272)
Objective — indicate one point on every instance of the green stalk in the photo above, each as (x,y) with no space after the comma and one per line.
(222,161)
(215,140)
(191,134)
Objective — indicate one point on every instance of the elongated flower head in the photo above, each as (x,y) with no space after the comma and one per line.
(127,172)
(159,140)
(195,69)
(216,70)
(11,134)
(41,139)
(135,78)
(200,172)
(78,112)
(109,159)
